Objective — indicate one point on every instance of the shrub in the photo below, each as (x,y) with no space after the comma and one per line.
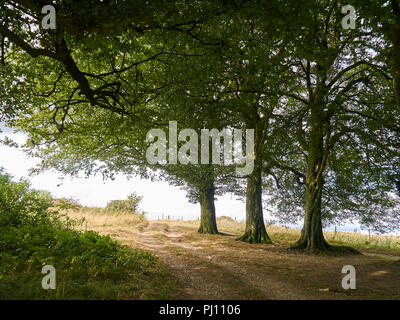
(19,204)
(66,203)
(87,264)
(130,205)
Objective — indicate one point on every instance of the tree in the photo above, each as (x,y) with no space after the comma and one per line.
(341,95)
(185,167)
(396,48)
(242,81)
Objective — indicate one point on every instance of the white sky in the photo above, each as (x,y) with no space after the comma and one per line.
(159,198)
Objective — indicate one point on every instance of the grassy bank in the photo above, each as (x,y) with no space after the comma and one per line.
(88,265)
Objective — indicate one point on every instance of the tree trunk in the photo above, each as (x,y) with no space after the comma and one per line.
(255,228)
(208,222)
(312,237)
(396,50)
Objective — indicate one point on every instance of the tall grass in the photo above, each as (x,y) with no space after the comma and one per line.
(94,218)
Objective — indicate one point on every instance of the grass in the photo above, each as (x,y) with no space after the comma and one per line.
(154,283)
(219,259)
(193,251)
(360,240)
(93,218)
(88,265)
(97,217)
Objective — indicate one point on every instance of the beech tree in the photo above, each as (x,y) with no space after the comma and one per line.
(243,79)
(342,109)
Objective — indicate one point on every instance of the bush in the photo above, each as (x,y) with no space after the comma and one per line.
(130,205)
(19,204)
(66,203)
(87,264)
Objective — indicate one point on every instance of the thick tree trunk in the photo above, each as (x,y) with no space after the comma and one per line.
(396,50)
(208,222)
(396,63)
(255,228)
(312,237)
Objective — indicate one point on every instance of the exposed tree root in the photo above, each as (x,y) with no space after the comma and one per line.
(255,237)
(204,230)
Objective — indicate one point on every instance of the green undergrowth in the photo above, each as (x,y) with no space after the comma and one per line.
(88,265)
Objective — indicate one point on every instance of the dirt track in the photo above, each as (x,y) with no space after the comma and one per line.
(219,267)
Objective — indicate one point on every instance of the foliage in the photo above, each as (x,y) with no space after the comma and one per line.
(66,203)
(130,205)
(19,204)
(32,236)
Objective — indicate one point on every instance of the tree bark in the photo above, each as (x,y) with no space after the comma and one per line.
(208,222)
(396,50)
(312,237)
(255,231)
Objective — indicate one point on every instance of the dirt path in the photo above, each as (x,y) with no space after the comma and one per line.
(203,275)
(219,267)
